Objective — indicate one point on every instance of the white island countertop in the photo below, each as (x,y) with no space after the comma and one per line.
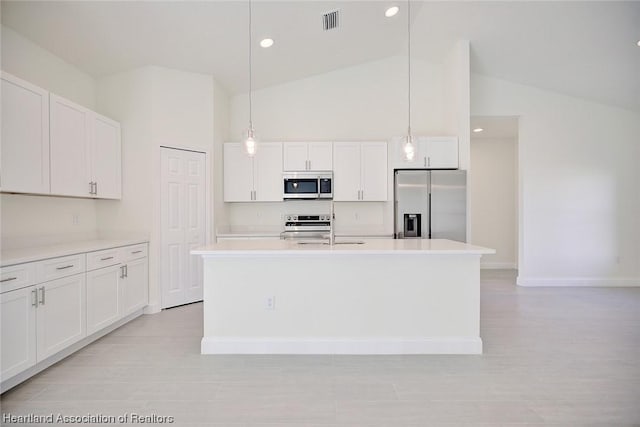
(342,246)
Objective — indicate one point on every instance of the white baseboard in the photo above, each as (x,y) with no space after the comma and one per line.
(436,345)
(498,265)
(152,308)
(611,282)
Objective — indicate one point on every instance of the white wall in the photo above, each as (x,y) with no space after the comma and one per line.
(493,196)
(363,102)
(157,107)
(579,203)
(30,220)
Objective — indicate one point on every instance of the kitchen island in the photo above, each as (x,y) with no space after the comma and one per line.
(379,296)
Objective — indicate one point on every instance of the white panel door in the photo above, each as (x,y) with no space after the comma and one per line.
(62,315)
(25,137)
(320,156)
(238,174)
(373,166)
(106,157)
(194,222)
(295,156)
(18,329)
(183,228)
(69,148)
(268,172)
(346,171)
(103,297)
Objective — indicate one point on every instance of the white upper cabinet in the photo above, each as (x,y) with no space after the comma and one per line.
(307,156)
(70,162)
(360,171)
(431,153)
(25,137)
(267,172)
(254,179)
(439,152)
(106,158)
(85,152)
(373,170)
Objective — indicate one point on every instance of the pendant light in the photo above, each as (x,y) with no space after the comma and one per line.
(408,147)
(250,140)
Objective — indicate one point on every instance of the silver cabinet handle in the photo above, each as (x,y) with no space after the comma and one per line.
(135,252)
(42,295)
(34,301)
(65,267)
(122,271)
(95,190)
(429,161)
(107,258)
(126,270)
(8,279)
(425,161)
(91,187)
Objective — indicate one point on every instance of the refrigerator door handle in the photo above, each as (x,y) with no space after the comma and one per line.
(429,211)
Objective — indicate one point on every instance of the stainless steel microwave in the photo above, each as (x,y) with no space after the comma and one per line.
(307,185)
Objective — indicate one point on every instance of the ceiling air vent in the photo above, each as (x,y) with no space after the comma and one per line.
(331,20)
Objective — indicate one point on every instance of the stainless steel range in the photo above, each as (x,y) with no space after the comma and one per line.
(298,226)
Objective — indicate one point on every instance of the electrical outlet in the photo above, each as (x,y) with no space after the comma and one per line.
(270,303)
(75,219)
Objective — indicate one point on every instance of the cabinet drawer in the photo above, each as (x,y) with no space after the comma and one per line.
(17,276)
(133,252)
(55,268)
(103,258)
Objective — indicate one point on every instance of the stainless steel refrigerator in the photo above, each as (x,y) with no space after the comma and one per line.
(431,204)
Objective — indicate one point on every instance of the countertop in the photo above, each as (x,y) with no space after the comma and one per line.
(343,246)
(22,255)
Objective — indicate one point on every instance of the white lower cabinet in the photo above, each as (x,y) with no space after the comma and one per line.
(18,328)
(49,305)
(60,314)
(134,287)
(103,297)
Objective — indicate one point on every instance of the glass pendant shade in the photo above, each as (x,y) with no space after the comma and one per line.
(250,142)
(409,148)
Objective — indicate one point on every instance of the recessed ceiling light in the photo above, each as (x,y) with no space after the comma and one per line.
(392,11)
(266,42)
(476,130)
(638,43)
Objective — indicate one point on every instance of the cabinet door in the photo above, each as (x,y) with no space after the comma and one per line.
(295,156)
(346,171)
(238,174)
(61,319)
(106,162)
(268,172)
(103,297)
(25,137)
(70,175)
(441,153)
(135,286)
(374,171)
(18,328)
(320,156)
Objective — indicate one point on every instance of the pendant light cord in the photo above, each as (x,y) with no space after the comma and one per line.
(409,63)
(250,74)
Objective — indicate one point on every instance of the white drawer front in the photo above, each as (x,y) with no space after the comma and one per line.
(17,276)
(134,252)
(103,258)
(56,268)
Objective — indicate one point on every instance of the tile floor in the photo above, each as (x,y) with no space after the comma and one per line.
(553,356)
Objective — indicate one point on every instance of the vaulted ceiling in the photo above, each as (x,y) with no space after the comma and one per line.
(585,49)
